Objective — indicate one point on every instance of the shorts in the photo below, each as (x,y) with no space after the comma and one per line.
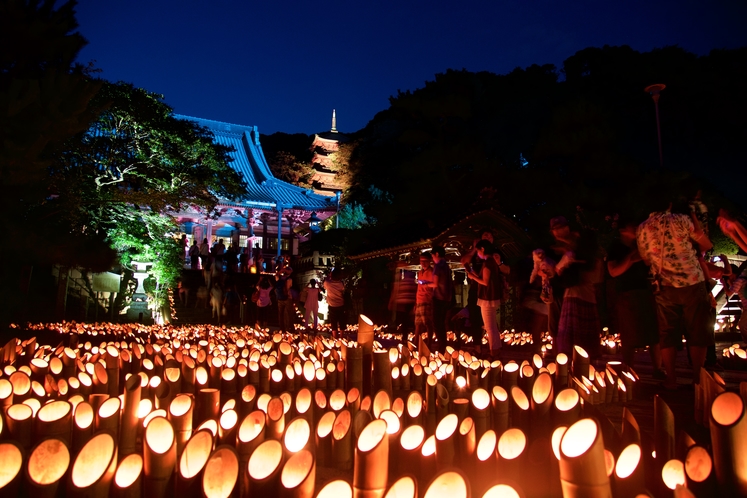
(684,311)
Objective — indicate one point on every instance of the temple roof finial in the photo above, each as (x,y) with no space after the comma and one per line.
(334,122)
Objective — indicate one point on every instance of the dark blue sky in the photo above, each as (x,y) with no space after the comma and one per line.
(283,66)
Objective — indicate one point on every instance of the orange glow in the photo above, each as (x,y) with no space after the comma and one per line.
(414,404)
(11,460)
(609,462)
(501,491)
(727,408)
(566,400)
(336,489)
(480,399)
(210,425)
(398,407)
(341,425)
(48,462)
(412,437)
(297,435)
(221,473)
(263,401)
(53,411)
(324,427)
(499,393)
(628,461)
(429,446)
(19,412)
(578,438)
(159,435)
(144,408)
(512,444)
(698,464)
(381,402)
(21,383)
(446,427)
(486,446)
(372,435)
(83,415)
(673,473)
(195,454)
(251,426)
(93,460)
(109,407)
(6,388)
(337,400)
(511,367)
(297,469)
(265,459)
(542,388)
(228,420)
(448,484)
(520,398)
(392,421)
(403,488)
(557,436)
(180,405)
(353,395)
(128,471)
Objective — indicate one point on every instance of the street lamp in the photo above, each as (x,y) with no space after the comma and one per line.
(313,222)
(654,91)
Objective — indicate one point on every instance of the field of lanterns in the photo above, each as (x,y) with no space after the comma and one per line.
(96,410)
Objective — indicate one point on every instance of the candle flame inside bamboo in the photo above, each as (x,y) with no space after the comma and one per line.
(628,461)
(578,438)
(93,460)
(48,462)
(128,471)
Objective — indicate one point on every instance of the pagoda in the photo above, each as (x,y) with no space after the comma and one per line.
(325,145)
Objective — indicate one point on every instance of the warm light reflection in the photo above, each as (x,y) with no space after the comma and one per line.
(83,415)
(93,460)
(414,404)
(566,400)
(499,393)
(520,398)
(228,420)
(109,407)
(412,437)
(265,459)
(128,471)
(297,435)
(48,462)
(297,469)
(673,473)
(195,454)
(512,443)
(501,491)
(578,438)
(337,400)
(480,399)
(392,421)
(448,484)
(324,427)
(628,461)
(698,464)
(221,473)
(381,402)
(11,460)
(557,436)
(336,489)
(180,405)
(159,435)
(251,426)
(542,388)
(55,410)
(341,425)
(486,446)
(727,408)
(404,487)
(429,446)
(609,462)
(447,426)
(372,435)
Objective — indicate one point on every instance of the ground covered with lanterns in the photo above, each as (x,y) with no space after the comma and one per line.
(132,410)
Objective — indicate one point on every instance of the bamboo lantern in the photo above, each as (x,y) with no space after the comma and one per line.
(728,437)
(159,450)
(82,426)
(580,362)
(128,480)
(94,467)
(404,373)
(393,430)
(382,401)
(107,417)
(416,382)
(336,489)
(21,386)
(664,437)
(264,468)
(6,394)
(466,440)
(298,476)
(361,420)
(446,441)
(629,472)
(382,379)
(541,404)
(250,435)
(673,474)
(611,381)
(510,375)
(404,487)
(354,368)
(526,378)
(442,401)
(192,462)
(502,491)
(353,400)
(337,400)
(20,420)
(324,439)
(227,426)
(275,419)
(365,342)
(448,484)
(129,420)
(699,471)
(207,405)
(247,400)
(303,405)
(500,407)
(631,432)
(221,473)
(561,374)
(342,440)
(567,407)
(47,464)
(479,410)
(11,462)
(413,409)
(583,470)
(519,409)
(410,444)
(371,469)
(55,420)
(297,436)
(428,459)
(460,407)
(320,404)
(484,469)
(180,416)
(511,449)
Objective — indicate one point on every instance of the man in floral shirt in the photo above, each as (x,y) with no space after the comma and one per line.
(669,243)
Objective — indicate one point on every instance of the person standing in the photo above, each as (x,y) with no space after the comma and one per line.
(424,299)
(283,284)
(311,304)
(205,254)
(489,292)
(335,290)
(194,256)
(472,263)
(264,300)
(669,244)
(443,294)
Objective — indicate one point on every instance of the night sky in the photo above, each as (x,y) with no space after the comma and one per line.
(283,66)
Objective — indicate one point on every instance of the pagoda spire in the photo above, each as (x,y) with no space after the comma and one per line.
(334,122)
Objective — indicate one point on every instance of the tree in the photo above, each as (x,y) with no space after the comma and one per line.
(285,166)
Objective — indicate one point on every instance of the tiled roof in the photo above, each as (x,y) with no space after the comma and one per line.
(264,190)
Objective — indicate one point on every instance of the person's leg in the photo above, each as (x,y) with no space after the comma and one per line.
(669,316)
(491,327)
(699,319)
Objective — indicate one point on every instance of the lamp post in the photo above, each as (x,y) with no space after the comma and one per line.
(654,91)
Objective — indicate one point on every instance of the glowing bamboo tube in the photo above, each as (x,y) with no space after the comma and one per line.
(55,420)
(448,484)
(442,401)
(446,441)
(82,426)
(629,475)
(673,474)
(567,407)
(460,407)
(303,405)
(207,405)
(500,409)
(510,453)
(324,439)
(541,404)
(319,405)
(227,427)
(510,375)
(371,469)
(466,441)
(336,489)
(47,464)
(664,436)
(6,394)
(343,441)
(728,437)
(247,400)
(159,456)
(631,432)
(582,463)
(561,373)
(172,375)
(128,479)
(20,420)
(382,401)
(94,467)
(297,436)
(413,409)
(275,419)
(180,416)
(354,368)
(107,417)
(382,374)
(699,471)
(503,491)
(365,342)
(221,473)
(298,476)
(526,378)
(410,444)
(519,409)
(580,362)
(11,462)
(264,468)
(479,410)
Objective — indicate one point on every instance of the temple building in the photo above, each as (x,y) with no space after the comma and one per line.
(325,145)
(275,216)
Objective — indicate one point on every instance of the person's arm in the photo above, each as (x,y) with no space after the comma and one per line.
(617,268)
(482,279)
(505,269)
(699,236)
(734,230)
